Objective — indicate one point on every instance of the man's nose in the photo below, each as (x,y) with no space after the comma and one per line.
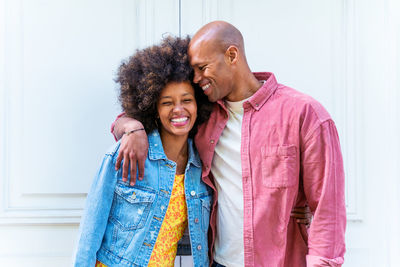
(197,76)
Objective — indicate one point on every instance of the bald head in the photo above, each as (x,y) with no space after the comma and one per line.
(220,35)
(216,53)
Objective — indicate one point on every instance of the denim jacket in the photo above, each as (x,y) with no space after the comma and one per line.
(121,222)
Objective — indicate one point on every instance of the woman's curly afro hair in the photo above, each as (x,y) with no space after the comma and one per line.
(148,71)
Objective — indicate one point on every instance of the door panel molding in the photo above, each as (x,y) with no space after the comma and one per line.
(36,193)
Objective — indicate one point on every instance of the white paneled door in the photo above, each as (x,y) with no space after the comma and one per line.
(58,60)
(58,98)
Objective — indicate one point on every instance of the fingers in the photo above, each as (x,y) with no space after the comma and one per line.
(303,221)
(305,209)
(306,222)
(128,165)
(141,162)
(133,175)
(300,215)
(132,156)
(118,163)
(133,168)
(125,168)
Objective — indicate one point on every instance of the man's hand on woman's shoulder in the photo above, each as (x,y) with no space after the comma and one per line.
(133,149)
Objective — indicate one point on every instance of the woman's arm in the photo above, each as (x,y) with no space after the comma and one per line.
(94,222)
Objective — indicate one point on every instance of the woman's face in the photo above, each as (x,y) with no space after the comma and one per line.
(177,108)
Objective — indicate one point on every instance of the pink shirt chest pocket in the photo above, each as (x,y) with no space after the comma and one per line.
(279,166)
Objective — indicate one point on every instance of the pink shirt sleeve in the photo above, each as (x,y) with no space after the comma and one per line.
(323,178)
(321,261)
(113,125)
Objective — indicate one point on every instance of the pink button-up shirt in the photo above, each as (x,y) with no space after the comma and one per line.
(290,156)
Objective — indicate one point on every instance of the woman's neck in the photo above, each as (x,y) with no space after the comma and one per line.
(176,149)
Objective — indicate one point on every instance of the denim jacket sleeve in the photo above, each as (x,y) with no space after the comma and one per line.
(94,222)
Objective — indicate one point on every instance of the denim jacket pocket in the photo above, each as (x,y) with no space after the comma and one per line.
(205,211)
(131,207)
(279,166)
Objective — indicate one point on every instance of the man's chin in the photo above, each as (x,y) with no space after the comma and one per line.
(211,98)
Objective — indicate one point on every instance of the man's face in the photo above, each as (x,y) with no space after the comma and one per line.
(211,71)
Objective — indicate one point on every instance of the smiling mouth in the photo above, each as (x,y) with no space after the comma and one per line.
(179,120)
(205,87)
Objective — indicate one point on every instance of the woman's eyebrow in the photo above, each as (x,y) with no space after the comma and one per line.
(167,96)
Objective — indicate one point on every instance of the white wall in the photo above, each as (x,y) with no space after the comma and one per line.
(57,64)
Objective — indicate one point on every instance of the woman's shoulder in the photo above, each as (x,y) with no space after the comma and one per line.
(113,149)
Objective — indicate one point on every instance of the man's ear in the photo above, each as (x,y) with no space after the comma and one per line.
(231,55)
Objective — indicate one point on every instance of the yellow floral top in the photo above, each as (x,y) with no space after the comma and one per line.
(172,228)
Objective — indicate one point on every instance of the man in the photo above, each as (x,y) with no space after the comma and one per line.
(265,149)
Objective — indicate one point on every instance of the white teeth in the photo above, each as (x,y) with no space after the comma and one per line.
(179,119)
(205,87)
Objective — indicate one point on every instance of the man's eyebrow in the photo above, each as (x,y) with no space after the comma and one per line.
(166,97)
(199,63)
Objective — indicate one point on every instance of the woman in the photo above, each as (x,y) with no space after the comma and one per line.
(141,225)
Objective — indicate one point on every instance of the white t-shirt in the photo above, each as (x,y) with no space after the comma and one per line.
(227,170)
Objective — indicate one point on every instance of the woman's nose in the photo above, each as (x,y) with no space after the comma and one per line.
(177,108)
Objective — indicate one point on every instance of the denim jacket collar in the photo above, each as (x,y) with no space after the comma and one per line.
(156,150)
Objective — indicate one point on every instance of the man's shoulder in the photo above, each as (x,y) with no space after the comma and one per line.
(301,102)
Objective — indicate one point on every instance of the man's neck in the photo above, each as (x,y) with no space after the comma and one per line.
(245,88)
